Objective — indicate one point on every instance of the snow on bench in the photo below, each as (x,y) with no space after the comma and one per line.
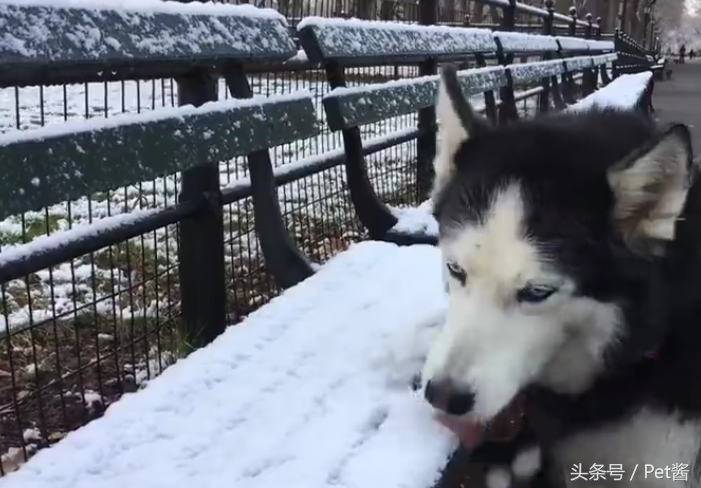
(527,72)
(108,32)
(603,46)
(332,39)
(310,391)
(572,43)
(354,106)
(604,58)
(416,220)
(520,42)
(578,63)
(624,92)
(57,162)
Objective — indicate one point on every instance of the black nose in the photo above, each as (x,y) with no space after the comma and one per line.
(445,396)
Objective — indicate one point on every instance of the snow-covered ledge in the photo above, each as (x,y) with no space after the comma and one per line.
(416,220)
(624,92)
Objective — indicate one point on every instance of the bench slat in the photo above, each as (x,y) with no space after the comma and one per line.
(53,164)
(572,44)
(604,59)
(527,72)
(157,32)
(526,43)
(351,107)
(578,63)
(325,39)
(600,45)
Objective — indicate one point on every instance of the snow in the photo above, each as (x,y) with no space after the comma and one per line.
(129,29)
(578,63)
(600,45)
(300,57)
(370,38)
(623,92)
(604,58)
(521,42)
(523,73)
(150,7)
(164,113)
(572,43)
(416,220)
(311,391)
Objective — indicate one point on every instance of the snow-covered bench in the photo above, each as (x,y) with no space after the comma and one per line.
(312,390)
(339,43)
(68,41)
(625,92)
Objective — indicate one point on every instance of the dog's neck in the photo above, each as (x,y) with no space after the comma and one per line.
(552,415)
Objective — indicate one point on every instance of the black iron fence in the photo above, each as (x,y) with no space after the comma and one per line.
(77,335)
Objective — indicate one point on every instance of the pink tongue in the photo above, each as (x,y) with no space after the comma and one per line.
(469,433)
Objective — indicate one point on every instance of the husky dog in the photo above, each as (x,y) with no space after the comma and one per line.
(569,256)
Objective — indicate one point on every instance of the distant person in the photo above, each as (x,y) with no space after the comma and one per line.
(682,54)
(691,54)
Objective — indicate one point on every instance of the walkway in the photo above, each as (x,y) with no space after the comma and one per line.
(679,99)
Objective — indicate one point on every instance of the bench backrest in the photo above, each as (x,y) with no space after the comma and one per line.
(163,39)
(348,41)
(344,42)
(69,160)
(351,107)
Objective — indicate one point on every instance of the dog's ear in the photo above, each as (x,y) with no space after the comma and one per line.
(457,122)
(650,187)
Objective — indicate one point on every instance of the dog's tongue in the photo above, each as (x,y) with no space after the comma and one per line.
(504,427)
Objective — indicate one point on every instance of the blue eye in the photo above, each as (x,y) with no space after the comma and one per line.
(535,293)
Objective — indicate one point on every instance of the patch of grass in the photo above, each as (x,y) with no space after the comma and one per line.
(34,227)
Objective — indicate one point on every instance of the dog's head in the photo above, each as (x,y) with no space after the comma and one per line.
(551,232)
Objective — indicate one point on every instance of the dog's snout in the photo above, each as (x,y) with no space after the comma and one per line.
(446,396)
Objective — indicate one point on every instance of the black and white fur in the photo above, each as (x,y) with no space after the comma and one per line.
(570,245)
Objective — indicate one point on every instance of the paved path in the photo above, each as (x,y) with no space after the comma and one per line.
(679,99)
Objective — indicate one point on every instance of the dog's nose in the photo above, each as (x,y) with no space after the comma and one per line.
(443,395)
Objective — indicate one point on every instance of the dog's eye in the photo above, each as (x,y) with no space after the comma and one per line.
(535,293)
(456,271)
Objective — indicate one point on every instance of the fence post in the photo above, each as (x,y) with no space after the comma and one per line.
(544,99)
(573,25)
(508,22)
(507,109)
(201,237)
(426,141)
(590,75)
(590,25)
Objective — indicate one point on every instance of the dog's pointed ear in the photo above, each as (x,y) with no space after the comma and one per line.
(457,121)
(650,187)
